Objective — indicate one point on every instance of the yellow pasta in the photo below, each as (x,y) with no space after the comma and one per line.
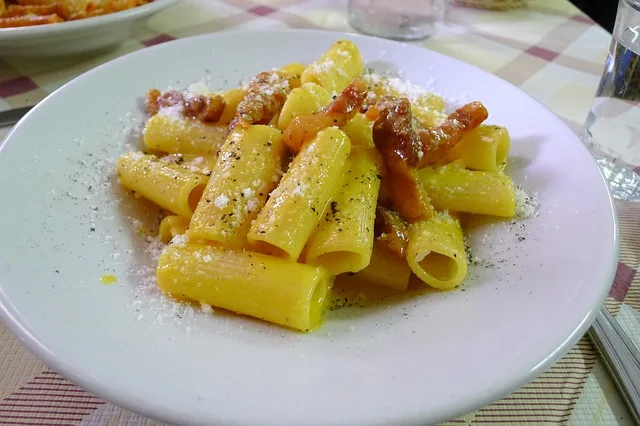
(295,68)
(386,269)
(485,148)
(335,69)
(232,98)
(288,219)
(246,172)
(436,252)
(344,238)
(264,287)
(169,186)
(454,188)
(359,130)
(177,135)
(203,164)
(262,228)
(170,226)
(307,99)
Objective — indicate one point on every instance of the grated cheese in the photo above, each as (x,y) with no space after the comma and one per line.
(180,240)
(221,202)
(300,189)
(206,308)
(526,205)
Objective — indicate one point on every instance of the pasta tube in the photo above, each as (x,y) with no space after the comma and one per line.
(307,99)
(335,69)
(344,238)
(457,189)
(246,172)
(360,131)
(484,148)
(170,226)
(203,164)
(290,216)
(169,186)
(232,98)
(294,68)
(177,135)
(386,269)
(436,252)
(264,287)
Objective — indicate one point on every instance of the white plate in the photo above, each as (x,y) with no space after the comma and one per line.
(414,362)
(83,35)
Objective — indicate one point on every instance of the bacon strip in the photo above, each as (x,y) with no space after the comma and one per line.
(436,142)
(394,137)
(392,231)
(342,109)
(266,94)
(207,109)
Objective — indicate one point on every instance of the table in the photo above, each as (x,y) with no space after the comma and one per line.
(550,50)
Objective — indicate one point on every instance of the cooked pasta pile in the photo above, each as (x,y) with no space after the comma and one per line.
(273,189)
(24,13)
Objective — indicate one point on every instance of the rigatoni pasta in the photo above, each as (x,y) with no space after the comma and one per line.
(178,135)
(436,252)
(311,172)
(344,238)
(284,225)
(265,287)
(485,148)
(336,67)
(452,187)
(247,171)
(170,186)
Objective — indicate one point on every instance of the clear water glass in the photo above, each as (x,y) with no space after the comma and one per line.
(612,128)
(397,19)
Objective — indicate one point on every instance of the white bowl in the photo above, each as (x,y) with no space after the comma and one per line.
(82,35)
(415,361)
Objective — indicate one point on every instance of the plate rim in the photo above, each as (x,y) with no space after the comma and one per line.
(11,316)
(94,22)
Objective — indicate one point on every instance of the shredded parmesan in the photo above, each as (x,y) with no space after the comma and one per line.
(526,205)
(300,189)
(221,202)
(180,240)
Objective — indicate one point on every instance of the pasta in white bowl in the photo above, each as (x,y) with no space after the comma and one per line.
(309,165)
(79,253)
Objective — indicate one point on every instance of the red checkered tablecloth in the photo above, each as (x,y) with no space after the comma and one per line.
(550,50)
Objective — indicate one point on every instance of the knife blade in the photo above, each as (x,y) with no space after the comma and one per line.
(12,116)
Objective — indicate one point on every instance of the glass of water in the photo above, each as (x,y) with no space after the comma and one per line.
(397,19)
(612,128)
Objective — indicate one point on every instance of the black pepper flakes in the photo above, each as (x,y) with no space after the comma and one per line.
(334,207)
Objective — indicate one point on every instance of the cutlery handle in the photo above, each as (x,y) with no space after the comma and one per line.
(12,116)
(621,358)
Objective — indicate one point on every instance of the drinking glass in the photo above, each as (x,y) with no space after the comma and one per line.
(612,128)
(397,19)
